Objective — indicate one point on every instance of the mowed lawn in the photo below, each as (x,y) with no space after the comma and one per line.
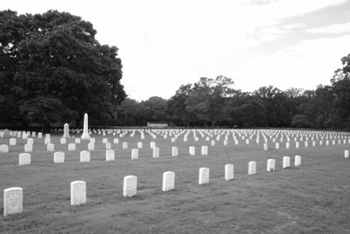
(312,198)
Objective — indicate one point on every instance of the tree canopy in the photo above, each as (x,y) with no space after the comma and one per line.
(54,70)
(215,102)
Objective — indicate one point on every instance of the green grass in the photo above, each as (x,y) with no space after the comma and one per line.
(312,198)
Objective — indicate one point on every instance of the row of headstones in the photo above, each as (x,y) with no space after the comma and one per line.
(59,157)
(13,197)
(306,144)
(241,133)
(21,134)
(28,147)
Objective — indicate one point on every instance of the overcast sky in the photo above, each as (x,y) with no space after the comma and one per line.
(164,44)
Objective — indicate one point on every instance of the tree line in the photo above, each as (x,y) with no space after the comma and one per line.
(214,102)
(53,70)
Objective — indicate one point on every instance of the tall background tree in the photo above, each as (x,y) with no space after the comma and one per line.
(53,70)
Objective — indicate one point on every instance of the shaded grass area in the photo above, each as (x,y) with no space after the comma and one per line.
(313,198)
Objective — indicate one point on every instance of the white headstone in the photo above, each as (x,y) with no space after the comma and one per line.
(85,156)
(13,141)
(13,201)
(134,154)
(28,148)
(297,144)
(58,157)
(71,147)
(66,130)
(129,186)
(152,144)
(77,140)
(287,145)
(40,135)
(277,145)
(77,193)
(91,146)
(286,162)
(168,181)
(212,143)
(110,155)
(139,145)
(297,160)
(24,159)
(346,153)
(266,146)
(63,140)
(203,175)
(229,172)
(125,145)
(116,141)
(104,140)
(50,147)
(47,140)
(204,150)
(156,152)
(252,168)
(4,148)
(108,146)
(174,151)
(30,141)
(192,150)
(271,163)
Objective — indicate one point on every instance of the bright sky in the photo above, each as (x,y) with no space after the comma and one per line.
(166,43)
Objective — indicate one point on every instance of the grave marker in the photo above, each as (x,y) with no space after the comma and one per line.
(28,148)
(174,151)
(24,159)
(286,162)
(271,163)
(168,181)
(134,154)
(85,135)
(13,141)
(156,152)
(13,201)
(129,186)
(4,148)
(77,193)
(229,172)
(71,147)
(110,155)
(252,168)
(58,157)
(50,147)
(85,156)
(297,160)
(204,150)
(192,150)
(203,175)
(66,130)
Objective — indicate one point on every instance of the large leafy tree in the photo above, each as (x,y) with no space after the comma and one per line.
(341,93)
(207,99)
(178,113)
(53,69)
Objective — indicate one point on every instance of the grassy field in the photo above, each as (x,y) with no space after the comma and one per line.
(312,198)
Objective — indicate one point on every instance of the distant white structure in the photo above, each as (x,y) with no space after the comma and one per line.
(157,125)
(85,135)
